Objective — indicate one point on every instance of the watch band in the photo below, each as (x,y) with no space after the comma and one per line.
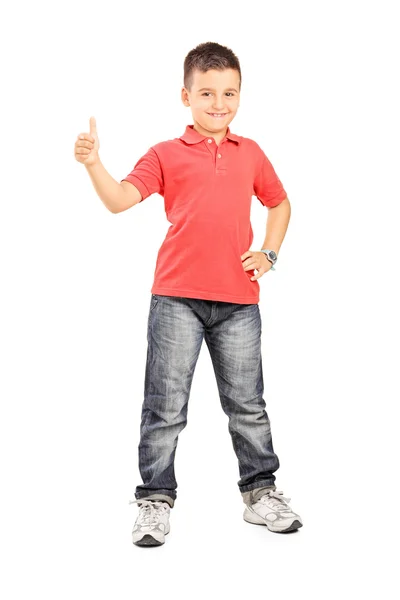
(271,256)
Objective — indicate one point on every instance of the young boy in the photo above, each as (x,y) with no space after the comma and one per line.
(205,286)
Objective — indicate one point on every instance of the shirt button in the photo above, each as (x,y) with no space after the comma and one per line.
(219,156)
(209,141)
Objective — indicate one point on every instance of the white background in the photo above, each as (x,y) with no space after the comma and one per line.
(319,96)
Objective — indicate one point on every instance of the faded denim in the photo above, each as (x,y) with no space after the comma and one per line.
(176,328)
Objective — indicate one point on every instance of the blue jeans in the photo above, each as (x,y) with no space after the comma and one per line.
(176,328)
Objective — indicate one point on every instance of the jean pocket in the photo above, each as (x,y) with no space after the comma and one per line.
(153,302)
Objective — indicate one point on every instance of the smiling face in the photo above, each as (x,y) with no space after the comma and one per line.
(213,92)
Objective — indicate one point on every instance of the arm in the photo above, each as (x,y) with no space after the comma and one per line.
(277,224)
(115,196)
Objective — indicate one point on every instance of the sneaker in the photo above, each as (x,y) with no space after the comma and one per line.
(273,511)
(152,522)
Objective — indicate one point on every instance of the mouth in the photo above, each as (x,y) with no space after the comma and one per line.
(217,115)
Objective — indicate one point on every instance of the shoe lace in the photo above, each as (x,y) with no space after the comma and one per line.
(149,510)
(275,499)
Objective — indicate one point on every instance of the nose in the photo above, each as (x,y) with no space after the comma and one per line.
(218,104)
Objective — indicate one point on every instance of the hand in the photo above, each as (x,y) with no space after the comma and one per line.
(256,260)
(87,145)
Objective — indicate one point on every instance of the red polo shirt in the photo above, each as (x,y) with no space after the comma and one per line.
(207,191)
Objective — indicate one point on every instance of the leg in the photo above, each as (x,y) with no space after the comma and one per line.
(234,342)
(175,334)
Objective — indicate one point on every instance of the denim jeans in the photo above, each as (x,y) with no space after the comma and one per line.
(176,328)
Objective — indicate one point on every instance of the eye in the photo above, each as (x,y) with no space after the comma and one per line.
(205,93)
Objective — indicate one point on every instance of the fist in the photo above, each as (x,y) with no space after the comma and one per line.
(87,145)
(255,260)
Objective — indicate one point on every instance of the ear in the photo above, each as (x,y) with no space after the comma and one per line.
(184,97)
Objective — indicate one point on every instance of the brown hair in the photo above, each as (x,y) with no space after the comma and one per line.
(209,55)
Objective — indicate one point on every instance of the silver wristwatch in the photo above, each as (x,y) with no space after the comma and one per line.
(272,257)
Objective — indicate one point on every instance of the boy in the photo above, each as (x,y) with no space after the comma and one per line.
(205,286)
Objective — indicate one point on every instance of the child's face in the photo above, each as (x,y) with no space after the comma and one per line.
(221,95)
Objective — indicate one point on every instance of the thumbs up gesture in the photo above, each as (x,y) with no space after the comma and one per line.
(87,145)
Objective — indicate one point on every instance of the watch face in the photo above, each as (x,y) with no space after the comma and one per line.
(273,255)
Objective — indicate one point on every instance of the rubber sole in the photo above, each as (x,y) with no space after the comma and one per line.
(149,540)
(257,520)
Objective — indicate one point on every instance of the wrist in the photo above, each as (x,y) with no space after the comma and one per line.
(271,256)
(269,248)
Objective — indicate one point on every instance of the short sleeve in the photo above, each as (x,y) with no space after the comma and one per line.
(267,186)
(147,175)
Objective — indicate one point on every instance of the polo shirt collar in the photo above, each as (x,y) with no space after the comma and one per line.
(191,136)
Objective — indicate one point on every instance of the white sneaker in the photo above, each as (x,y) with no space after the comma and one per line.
(152,522)
(273,511)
